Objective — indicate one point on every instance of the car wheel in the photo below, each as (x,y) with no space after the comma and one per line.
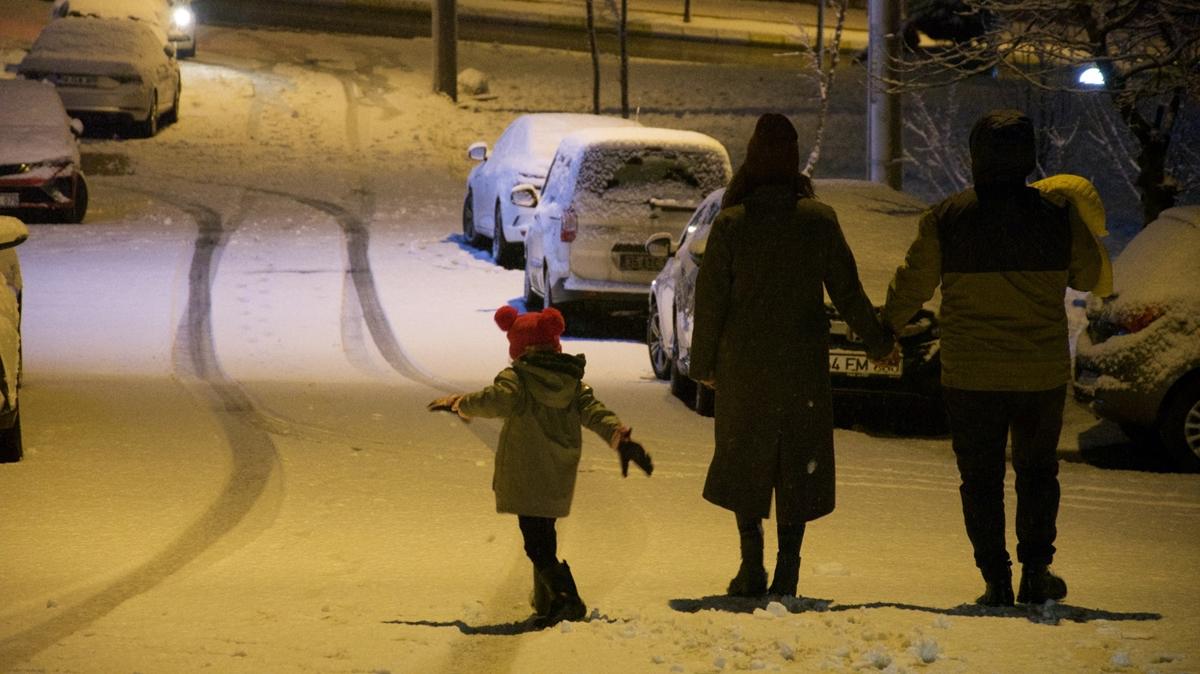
(79,209)
(471,236)
(10,442)
(504,253)
(172,117)
(150,125)
(682,386)
(1180,426)
(533,301)
(660,360)
(706,400)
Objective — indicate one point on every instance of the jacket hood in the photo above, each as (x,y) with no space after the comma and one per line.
(1002,148)
(552,378)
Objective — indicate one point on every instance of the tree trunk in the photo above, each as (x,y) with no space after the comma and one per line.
(591,29)
(1158,188)
(624,59)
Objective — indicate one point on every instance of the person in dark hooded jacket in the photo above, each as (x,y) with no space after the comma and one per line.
(761,339)
(544,403)
(1004,255)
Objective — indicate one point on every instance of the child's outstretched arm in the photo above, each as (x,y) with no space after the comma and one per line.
(605,423)
(497,400)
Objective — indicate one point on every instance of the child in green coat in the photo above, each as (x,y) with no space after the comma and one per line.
(544,403)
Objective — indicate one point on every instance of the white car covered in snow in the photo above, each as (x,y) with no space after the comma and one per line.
(173,20)
(522,154)
(40,175)
(12,233)
(1138,363)
(607,191)
(107,67)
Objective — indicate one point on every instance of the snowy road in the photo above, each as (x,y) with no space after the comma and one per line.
(230,468)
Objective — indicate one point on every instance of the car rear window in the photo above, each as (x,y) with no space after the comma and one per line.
(659,173)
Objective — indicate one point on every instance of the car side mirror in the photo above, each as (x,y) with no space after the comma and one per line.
(477,151)
(659,244)
(525,196)
(13,232)
(76,127)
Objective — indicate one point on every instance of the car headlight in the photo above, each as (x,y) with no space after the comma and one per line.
(182,17)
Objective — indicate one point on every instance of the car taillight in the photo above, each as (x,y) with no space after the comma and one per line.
(570,225)
(1131,323)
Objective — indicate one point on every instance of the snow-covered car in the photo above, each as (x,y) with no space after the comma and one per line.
(1138,362)
(173,20)
(107,67)
(522,154)
(40,174)
(607,191)
(12,233)
(879,224)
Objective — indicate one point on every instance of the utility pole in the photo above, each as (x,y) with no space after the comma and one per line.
(884,151)
(445,48)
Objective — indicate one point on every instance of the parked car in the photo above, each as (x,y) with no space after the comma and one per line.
(522,154)
(107,67)
(173,20)
(12,233)
(40,175)
(607,190)
(1138,362)
(879,224)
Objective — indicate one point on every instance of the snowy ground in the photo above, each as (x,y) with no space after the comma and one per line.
(229,467)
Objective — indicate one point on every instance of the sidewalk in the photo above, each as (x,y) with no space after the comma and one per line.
(745,22)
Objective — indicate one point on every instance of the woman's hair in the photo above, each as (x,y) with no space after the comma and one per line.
(772,158)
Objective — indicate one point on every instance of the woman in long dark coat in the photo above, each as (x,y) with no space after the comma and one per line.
(762,340)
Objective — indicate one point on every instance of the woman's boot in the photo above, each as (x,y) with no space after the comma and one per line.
(539,597)
(565,603)
(787,562)
(751,578)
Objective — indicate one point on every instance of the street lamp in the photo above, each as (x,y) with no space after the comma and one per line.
(1091,76)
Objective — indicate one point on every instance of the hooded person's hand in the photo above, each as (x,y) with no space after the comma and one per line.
(631,450)
(447,404)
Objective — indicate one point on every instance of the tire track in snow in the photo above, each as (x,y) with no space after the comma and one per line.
(254,455)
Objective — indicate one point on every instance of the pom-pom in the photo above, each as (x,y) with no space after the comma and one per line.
(552,323)
(505,317)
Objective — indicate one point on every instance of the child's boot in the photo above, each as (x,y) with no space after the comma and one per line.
(565,603)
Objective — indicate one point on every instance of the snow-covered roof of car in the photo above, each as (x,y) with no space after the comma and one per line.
(542,131)
(95,46)
(638,137)
(154,12)
(1159,265)
(33,124)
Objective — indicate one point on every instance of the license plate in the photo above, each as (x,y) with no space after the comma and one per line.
(77,80)
(856,364)
(10,199)
(636,262)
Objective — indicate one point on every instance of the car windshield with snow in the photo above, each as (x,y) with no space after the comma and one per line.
(607,191)
(879,224)
(40,175)
(172,20)
(1138,362)
(521,155)
(107,67)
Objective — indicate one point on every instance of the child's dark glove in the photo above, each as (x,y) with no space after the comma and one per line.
(631,450)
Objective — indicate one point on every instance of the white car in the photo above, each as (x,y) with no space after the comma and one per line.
(172,19)
(12,233)
(607,191)
(40,174)
(109,67)
(1138,363)
(521,155)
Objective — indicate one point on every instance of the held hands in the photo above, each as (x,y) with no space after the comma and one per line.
(631,450)
(892,359)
